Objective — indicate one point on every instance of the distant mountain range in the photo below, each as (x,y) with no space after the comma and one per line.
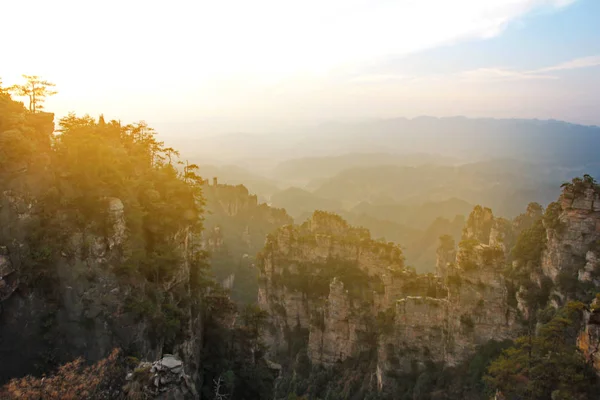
(569,146)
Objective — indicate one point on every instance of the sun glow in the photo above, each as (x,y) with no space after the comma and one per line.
(219,52)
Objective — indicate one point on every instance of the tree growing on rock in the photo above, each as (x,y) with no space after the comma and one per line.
(545,365)
(36,89)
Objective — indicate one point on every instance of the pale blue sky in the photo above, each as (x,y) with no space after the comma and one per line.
(266,62)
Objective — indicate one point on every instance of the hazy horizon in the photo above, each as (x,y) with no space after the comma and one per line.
(204,68)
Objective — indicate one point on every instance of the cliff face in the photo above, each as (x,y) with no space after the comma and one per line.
(588,340)
(81,307)
(346,296)
(324,278)
(573,235)
(235,229)
(572,257)
(472,310)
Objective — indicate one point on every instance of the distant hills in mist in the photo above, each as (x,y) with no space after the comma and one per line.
(407,180)
(468,139)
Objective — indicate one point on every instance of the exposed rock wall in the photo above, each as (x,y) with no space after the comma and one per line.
(418,333)
(588,340)
(335,337)
(324,248)
(574,233)
(164,379)
(398,317)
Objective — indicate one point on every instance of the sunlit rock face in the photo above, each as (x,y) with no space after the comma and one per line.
(575,233)
(588,340)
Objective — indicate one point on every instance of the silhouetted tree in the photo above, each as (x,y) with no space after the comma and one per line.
(35,89)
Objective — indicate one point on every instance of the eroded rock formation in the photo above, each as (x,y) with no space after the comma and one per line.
(346,295)
(573,234)
(164,379)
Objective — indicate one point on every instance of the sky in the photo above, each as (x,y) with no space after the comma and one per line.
(215,66)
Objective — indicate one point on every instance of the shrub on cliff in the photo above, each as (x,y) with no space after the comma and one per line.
(551,217)
(547,365)
(72,381)
(530,244)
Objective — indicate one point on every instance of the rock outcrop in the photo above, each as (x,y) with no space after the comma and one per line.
(345,295)
(588,340)
(164,379)
(573,233)
(322,276)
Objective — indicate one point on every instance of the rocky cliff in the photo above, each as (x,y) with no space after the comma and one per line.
(82,307)
(97,245)
(471,310)
(343,295)
(573,234)
(235,229)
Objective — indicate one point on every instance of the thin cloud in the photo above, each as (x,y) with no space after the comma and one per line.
(499,74)
(496,74)
(584,62)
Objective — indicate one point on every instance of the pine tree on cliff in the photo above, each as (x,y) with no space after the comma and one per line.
(36,89)
(547,365)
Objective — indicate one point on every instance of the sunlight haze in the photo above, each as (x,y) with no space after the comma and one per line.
(268,62)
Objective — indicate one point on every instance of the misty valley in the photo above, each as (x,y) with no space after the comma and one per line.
(461,263)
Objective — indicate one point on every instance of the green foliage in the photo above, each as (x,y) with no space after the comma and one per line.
(235,355)
(446,242)
(314,278)
(578,185)
(551,217)
(24,137)
(527,252)
(547,365)
(490,255)
(526,220)
(35,89)
(530,244)
(466,249)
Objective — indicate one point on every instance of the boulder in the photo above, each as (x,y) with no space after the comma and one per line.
(163,379)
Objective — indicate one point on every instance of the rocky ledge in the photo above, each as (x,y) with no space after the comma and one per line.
(164,379)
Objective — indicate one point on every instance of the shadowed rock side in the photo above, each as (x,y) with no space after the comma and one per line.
(87,310)
(236,226)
